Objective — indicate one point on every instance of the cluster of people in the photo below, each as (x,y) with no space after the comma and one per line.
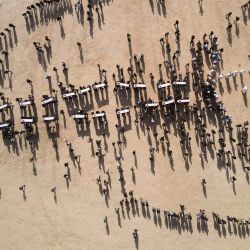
(235,225)
(46,10)
(173,106)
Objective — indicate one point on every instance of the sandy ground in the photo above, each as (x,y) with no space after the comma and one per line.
(76,221)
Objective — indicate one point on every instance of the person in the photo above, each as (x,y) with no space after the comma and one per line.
(162,41)
(192,39)
(135,234)
(12,25)
(47,39)
(237,19)
(8,30)
(233,179)
(228,15)
(22,188)
(129,38)
(244,90)
(176,25)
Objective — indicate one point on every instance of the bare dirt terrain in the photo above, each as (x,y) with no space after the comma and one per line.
(77,219)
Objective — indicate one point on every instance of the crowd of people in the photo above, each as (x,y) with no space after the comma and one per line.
(174,107)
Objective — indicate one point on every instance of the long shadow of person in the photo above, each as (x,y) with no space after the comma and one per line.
(155,217)
(62,31)
(136,239)
(34,168)
(224,232)
(234,189)
(159,220)
(91,27)
(81,54)
(53,190)
(237,30)
(190,227)
(106,225)
(32,22)
(133,177)
(204,189)
(229,37)
(99,20)
(27,24)
(22,188)
(152,6)
(245,99)
(164,10)
(200,2)
(119,219)
(67,180)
